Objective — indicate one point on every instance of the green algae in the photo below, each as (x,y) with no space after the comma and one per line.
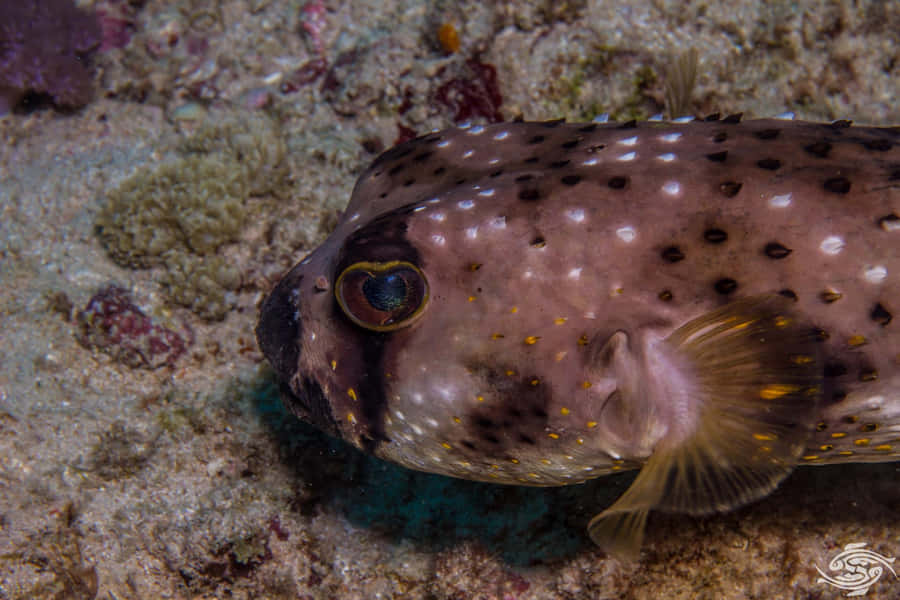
(180,213)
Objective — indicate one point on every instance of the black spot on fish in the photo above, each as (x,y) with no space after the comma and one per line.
(531,160)
(496,173)
(617,183)
(629,124)
(789,294)
(672,254)
(820,334)
(553,123)
(837,185)
(468,444)
(588,128)
(770,164)
(767,134)
(558,164)
(711,118)
(409,182)
(570,144)
(720,137)
(819,149)
(730,189)
(396,169)
(734,118)
(570,179)
(869,427)
(439,171)
(717,156)
(666,295)
(382,195)
(423,156)
(526,439)
(715,236)
(522,178)
(529,195)
(776,250)
(538,242)
(835,369)
(879,145)
(536,139)
(840,124)
(725,286)
(881,315)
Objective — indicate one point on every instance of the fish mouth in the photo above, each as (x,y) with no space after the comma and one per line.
(279,330)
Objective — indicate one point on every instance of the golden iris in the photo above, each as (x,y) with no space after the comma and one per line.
(382,296)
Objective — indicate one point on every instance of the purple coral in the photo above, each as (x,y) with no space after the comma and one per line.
(112,323)
(475,94)
(43,48)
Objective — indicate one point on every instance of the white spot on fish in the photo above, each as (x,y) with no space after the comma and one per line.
(419,208)
(418,398)
(431,421)
(312,336)
(399,415)
(527,275)
(876,274)
(354,217)
(306,260)
(670,137)
(671,188)
(602,118)
(686,119)
(472,232)
(781,200)
(438,239)
(486,193)
(465,125)
(874,402)
(590,315)
(575,273)
(667,157)
(890,224)
(787,116)
(468,153)
(437,216)
(466,204)
(832,244)
(498,223)
(443,143)
(502,135)
(476,130)
(629,141)
(416,429)
(628,156)
(434,200)
(656,117)
(590,162)
(576,214)
(626,234)
(493,161)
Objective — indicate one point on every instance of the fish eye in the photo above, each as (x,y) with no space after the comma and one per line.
(382,296)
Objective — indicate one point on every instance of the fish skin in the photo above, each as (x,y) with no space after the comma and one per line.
(561,261)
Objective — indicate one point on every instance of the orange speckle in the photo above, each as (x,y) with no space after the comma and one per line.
(586,384)
(580,441)
(535,381)
(555,436)
(856,340)
(532,340)
(510,373)
(446,445)
(862,441)
(471,298)
(333,365)
(560,320)
(457,420)
(564,411)
(514,309)
(883,447)
(591,424)
(479,398)
(449,38)
(514,461)
(497,336)
(583,340)
(352,393)
(838,434)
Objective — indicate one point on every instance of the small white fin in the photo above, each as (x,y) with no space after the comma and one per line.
(755,378)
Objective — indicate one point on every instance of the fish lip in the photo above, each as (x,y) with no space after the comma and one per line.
(279,330)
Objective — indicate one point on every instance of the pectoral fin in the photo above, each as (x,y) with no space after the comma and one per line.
(754,381)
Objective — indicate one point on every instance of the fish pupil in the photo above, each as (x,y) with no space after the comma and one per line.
(385,292)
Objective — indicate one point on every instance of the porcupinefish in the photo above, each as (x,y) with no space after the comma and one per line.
(710,302)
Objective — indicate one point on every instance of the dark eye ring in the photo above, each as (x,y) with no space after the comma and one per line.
(382,296)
